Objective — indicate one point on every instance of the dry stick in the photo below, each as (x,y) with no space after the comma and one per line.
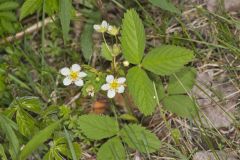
(37,26)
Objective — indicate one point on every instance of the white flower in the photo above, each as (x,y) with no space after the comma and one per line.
(113,85)
(101,27)
(113,30)
(73,75)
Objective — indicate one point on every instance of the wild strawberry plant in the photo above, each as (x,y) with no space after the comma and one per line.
(150,77)
(147,93)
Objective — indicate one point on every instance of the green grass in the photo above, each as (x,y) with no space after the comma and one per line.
(30,67)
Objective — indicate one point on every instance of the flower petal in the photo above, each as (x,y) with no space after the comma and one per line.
(121,80)
(104,24)
(76,67)
(110,28)
(120,89)
(79,82)
(111,93)
(105,87)
(67,81)
(65,71)
(96,27)
(109,78)
(82,74)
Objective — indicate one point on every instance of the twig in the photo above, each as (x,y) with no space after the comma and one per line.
(35,27)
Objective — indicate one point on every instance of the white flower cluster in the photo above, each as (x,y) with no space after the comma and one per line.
(75,75)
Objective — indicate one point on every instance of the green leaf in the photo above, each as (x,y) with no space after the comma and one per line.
(29,103)
(98,127)
(10,134)
(139,138)
(7,26)
(141,89)
(10,16)
(183,82)
(181,105)
(29,7)
(59,147)
(51,6)
(65,17)
(87,42)
(112,150)
(38,140)
(9,5)
(128,117)
(63,149)
(2,153)
(167,59)
(133,37)
(106,52)
(70,144)
(165,5)
(26,123)
(160,90)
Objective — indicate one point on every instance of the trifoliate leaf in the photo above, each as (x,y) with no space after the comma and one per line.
(141,89)
(29,103)
(97,127)
(182,105)
(133,37)
(167,59)
(183,82)
(112,150)
(139,138)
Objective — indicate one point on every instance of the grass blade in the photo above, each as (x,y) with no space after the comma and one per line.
(70,144)
(65,17)
(38,139)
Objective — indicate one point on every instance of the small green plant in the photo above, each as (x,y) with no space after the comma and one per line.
(147,93)
(166,60)
(150,77)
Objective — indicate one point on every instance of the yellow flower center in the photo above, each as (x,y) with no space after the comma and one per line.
(74,75)
(114,85)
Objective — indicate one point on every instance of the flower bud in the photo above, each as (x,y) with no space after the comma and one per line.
(90,90)
(116,50)
(113,30)
(125,63)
